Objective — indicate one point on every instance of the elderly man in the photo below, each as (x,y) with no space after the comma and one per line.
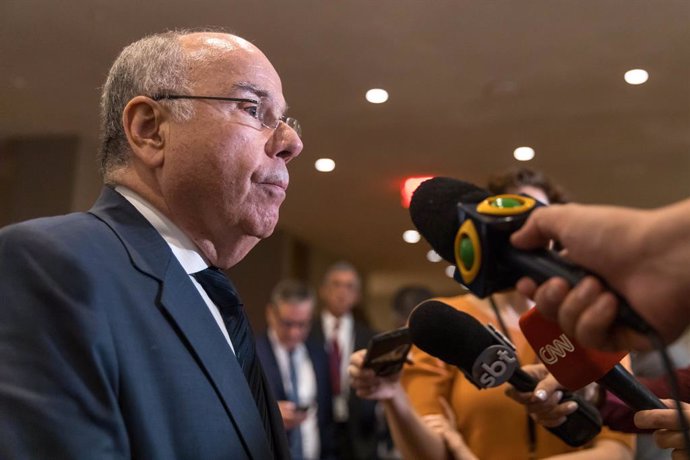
(119,335)
(297,370)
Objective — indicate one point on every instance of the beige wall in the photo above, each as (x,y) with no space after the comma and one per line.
(37,176)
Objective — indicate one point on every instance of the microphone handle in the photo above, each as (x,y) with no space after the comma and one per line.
(542,264)
(580,427)
(623,384)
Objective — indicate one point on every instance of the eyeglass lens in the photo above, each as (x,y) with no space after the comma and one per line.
(268,118)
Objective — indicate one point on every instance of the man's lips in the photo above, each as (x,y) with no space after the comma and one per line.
(277,187)
(281,185)
(277,180)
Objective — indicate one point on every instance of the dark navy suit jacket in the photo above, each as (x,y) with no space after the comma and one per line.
(108,351)
(319,360)
(362,429)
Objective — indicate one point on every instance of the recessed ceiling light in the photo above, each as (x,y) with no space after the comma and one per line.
(324,165)
(411,236)
(636,76)
(377,96)
(432,256)
(523,153)
(450,271)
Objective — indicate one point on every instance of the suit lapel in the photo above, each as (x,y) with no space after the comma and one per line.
(192,318)
(189,315)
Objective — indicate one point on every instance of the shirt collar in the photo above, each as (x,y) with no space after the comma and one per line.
(329,322)
(184,249)
(279,348)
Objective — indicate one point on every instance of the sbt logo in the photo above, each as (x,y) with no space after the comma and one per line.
(494,366)
(552,352)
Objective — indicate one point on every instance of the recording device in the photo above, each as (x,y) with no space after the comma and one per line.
(575,366)
(387,352)
(488,359)
(471,229)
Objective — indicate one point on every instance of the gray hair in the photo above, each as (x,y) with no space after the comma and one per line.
(156,64)
(290,290)
(341,266)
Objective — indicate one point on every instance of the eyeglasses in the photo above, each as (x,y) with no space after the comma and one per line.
(287,324)
(259,111)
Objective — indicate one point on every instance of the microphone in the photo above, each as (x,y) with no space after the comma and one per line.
(488,359)
(471,229)
(575,366)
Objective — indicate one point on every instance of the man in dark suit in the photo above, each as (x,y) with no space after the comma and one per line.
(119,337)
(297,370)
(340,333)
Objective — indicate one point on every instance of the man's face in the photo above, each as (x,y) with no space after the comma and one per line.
(291,321)
(224,178)
(340,292)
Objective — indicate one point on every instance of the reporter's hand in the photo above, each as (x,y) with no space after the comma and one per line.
(586,312)
(445,425)
(543,403)
(367,384)
(641,254)
(665,421)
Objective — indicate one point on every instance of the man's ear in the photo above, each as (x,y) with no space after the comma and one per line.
(144,122)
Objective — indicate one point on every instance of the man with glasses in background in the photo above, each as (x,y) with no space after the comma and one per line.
(120,336)
(297,370)
(340,332)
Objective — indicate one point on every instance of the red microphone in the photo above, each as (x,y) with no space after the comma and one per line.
(575,366)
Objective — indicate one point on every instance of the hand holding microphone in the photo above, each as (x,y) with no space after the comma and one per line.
(642,254)
(488,359)
(575,366)
(471,229)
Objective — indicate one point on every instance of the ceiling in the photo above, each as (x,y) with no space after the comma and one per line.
(469,81)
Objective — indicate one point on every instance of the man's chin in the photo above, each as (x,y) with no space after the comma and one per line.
(264,229)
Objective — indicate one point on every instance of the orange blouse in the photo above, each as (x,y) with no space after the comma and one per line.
(494,426)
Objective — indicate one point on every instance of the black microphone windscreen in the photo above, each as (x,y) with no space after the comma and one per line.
(434,211)
(448,334)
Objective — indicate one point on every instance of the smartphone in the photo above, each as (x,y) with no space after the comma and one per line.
(303,407)
(387,352)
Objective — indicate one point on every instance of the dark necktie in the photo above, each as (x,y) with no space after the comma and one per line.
(296,432)
(221,291)
(334,359)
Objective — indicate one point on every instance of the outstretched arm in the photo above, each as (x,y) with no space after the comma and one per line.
(642,254)
(412,436)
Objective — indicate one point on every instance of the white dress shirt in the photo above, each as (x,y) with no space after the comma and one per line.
(309,429)
(183,248)
(346,342)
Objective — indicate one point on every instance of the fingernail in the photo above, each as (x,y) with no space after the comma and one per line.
(541,395)
(558,394)
(571,406)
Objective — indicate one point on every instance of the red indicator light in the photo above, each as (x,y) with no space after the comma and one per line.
(409,186)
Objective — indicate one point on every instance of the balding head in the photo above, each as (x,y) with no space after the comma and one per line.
(165,63)
(219,171)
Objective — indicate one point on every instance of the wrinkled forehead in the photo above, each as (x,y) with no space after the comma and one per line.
(226,65)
